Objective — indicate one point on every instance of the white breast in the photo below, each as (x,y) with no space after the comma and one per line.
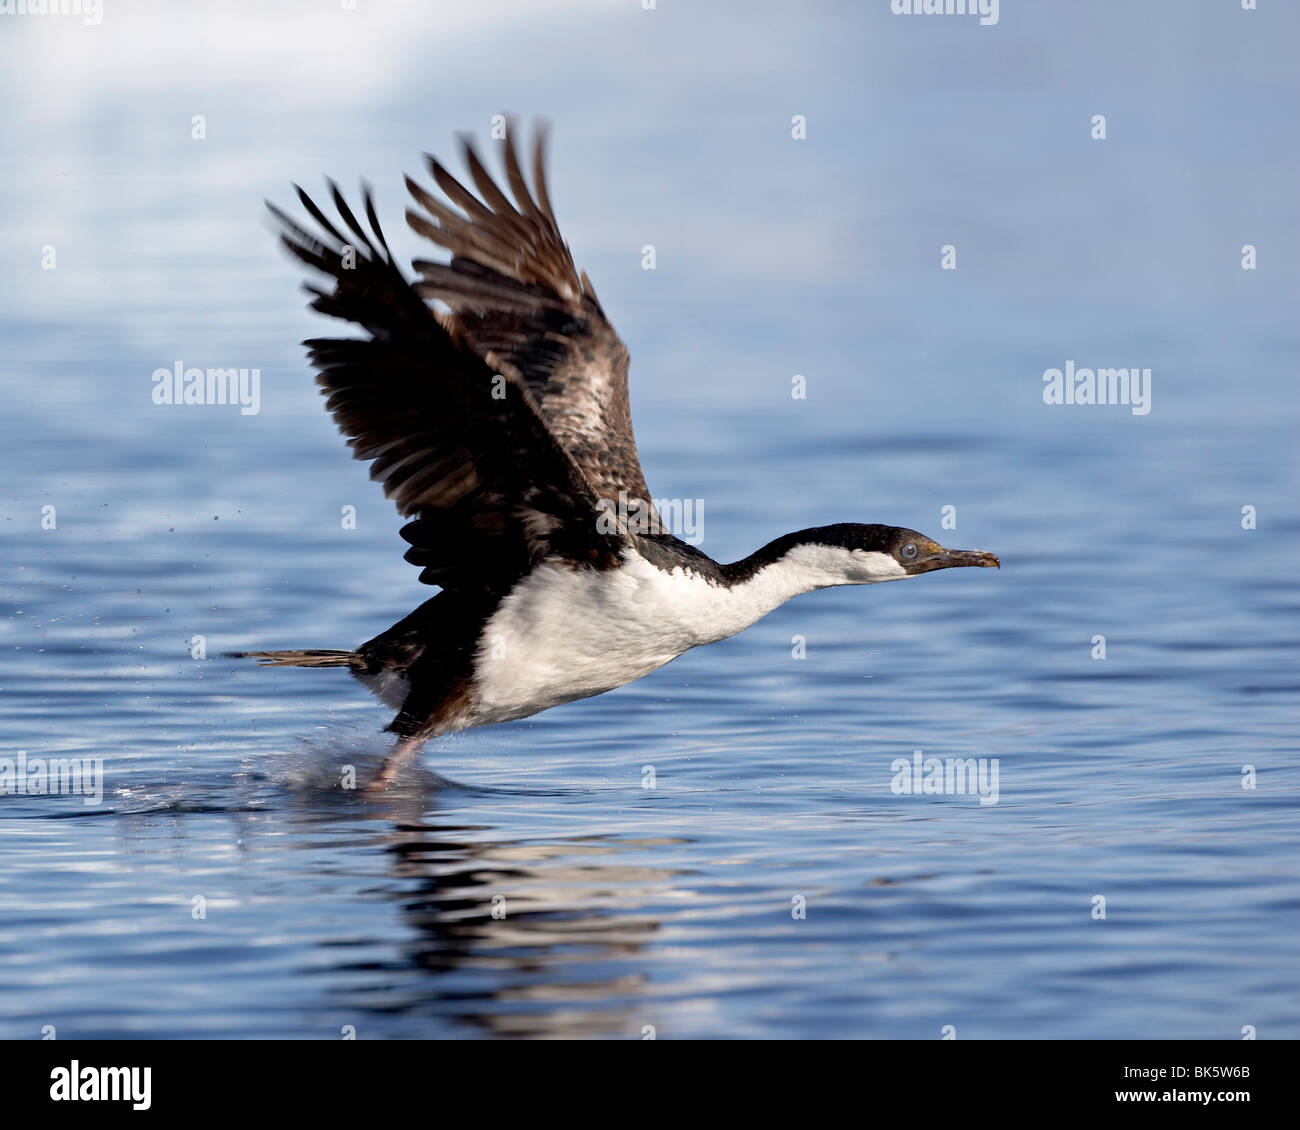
(565,633)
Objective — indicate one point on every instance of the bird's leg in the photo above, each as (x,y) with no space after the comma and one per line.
(395,762)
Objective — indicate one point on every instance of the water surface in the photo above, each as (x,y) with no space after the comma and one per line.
(771,884)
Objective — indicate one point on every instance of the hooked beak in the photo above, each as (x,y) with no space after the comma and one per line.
(952,559)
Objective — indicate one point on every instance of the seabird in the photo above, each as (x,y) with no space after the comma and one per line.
(490,395)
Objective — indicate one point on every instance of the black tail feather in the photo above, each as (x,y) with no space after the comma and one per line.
(315,658)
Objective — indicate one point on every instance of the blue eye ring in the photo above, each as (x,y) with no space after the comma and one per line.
(908,551)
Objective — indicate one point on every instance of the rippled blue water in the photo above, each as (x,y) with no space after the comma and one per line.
(676,907)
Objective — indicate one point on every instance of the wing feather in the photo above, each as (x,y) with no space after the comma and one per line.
(491,490)
(515,294)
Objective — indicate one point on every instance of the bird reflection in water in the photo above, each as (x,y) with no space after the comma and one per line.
(524,937)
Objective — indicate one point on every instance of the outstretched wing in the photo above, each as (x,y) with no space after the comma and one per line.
(515,295)
(457,444)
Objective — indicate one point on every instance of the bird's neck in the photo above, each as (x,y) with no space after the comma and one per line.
(802,561)
(780,571)
(776,573)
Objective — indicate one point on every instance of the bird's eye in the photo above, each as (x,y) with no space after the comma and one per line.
(909,551)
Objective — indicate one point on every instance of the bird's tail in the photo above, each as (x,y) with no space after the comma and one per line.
(298,658)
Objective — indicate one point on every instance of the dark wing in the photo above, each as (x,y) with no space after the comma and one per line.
(514,292)
(461,447)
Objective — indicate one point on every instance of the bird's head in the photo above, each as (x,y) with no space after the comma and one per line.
(853,554)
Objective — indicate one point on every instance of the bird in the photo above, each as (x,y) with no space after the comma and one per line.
(489,393)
